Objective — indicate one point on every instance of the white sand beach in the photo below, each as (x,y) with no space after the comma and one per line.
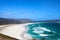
(14,30)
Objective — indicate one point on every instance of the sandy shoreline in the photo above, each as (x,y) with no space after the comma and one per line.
(14,31)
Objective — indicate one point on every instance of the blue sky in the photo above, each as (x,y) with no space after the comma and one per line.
(33,9)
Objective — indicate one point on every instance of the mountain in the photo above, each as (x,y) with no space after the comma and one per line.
(22,20)
(13,21)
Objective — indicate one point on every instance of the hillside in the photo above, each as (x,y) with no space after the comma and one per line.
(22,20)
(13,21)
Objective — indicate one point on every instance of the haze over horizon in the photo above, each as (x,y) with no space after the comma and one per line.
(32,9)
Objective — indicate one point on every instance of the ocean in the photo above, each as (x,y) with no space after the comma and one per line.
(44,31)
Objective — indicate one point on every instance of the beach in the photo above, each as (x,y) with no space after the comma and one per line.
(14,31)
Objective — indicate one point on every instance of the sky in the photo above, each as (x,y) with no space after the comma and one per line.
(32,9)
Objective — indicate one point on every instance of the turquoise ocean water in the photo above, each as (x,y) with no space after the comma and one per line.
(52,30)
